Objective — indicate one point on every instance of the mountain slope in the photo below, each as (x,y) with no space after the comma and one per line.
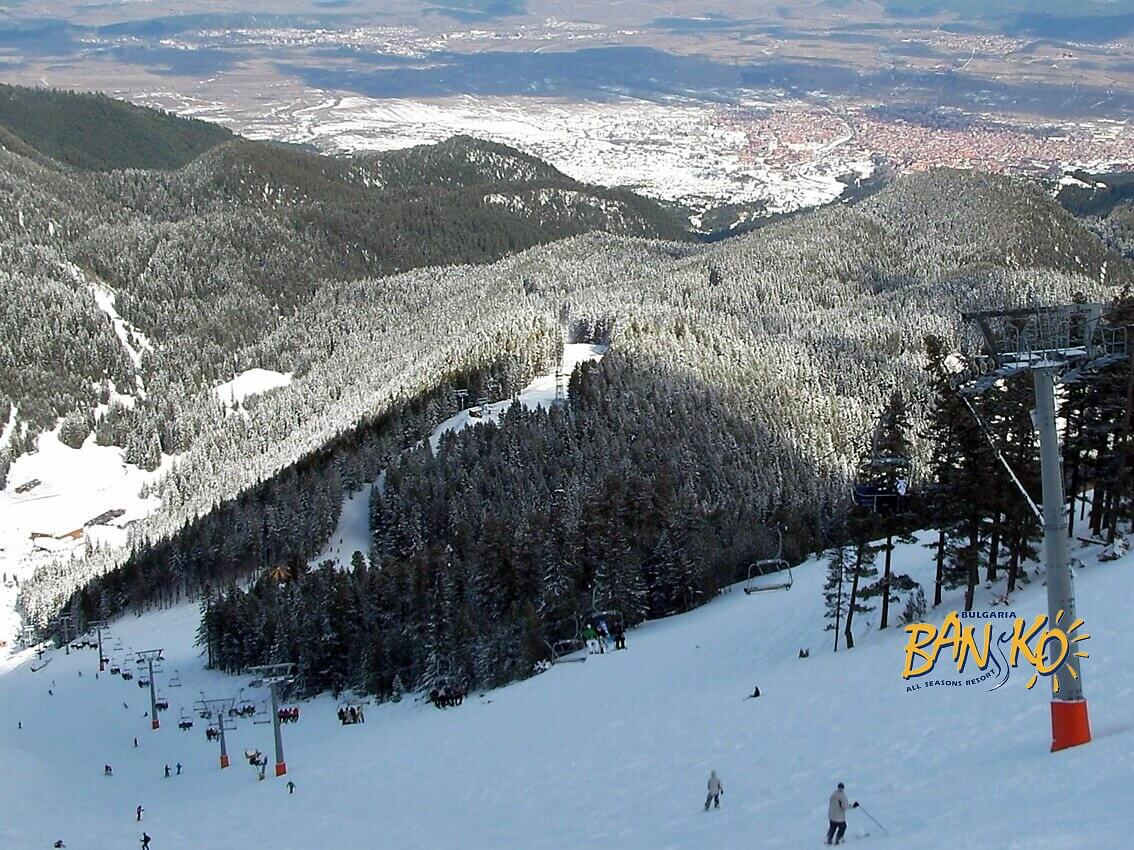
(804,328)
(94,132)
(616,749)
(207,258)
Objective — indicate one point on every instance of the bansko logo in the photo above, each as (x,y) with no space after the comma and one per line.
(1044,647)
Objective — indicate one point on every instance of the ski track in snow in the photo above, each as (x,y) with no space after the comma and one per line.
(353,531)
(612,752)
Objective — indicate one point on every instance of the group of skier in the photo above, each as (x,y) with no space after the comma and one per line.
(349,714)
(837,807)
(448,695)
(600,637)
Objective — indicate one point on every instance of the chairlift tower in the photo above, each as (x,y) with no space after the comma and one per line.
(220,709)
(66,625)
(1052,343)
(560,388)
(98,626)
(149,656)
(275,675)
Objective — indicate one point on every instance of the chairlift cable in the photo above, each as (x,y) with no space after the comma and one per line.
(1000,456)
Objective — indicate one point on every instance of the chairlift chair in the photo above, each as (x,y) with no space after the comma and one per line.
(263,715)
(563,648)
(175,679)
(885,486)
(769,568)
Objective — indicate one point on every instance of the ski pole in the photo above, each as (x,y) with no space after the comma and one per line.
(865,812)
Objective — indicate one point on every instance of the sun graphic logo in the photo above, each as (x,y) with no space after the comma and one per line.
(995,649)
(1050,663)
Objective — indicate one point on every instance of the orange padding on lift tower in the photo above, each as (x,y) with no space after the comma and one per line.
(1070,725)
(281,768)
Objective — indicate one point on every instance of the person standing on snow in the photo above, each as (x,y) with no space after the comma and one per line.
(619,635)
(179,768)
(145,841)
(139,812)
(591,637)
(715,791)
(837,815)
(167,771)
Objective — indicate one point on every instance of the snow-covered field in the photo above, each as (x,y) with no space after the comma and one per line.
(61,502)
(353,531)
(679,151)
(612,752)
(65,491)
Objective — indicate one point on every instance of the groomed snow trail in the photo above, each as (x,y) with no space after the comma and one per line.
(612,752)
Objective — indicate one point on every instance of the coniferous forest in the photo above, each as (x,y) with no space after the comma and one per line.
(752,387)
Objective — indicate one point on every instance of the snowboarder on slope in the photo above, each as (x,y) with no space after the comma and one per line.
(290,787)
(167,771)
(837,815)
(145,841)
(179,768)
(715,791)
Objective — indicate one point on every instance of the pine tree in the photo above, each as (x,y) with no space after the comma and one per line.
(886,468)
(836,589)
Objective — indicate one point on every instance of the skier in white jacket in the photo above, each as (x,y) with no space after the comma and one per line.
(837,815)
(715,791)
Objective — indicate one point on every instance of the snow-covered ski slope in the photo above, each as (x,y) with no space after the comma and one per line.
(612,752)
(353,531)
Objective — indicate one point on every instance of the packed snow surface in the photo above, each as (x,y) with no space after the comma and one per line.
(615,751)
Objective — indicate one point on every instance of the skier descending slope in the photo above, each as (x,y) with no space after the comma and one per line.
(837,815)
(715,791)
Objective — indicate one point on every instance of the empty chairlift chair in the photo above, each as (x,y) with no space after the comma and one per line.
(570,645)
(769,574)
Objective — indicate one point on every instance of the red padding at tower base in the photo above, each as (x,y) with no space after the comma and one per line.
(281,768)
(223,762)
(156,724)
(1070,725)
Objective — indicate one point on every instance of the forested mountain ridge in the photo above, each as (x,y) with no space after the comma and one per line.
(94,132)
(801,330)
(205,259)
